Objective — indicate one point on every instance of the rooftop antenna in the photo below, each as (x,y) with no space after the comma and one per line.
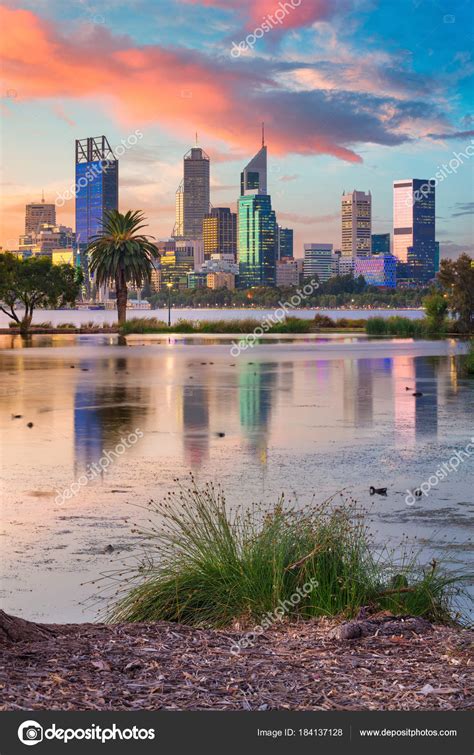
(196,138)
(42,196)
(263,133)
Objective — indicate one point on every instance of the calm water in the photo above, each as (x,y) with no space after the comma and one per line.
(305,417)
(77,317)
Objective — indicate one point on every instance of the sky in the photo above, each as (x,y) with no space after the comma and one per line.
(354,95)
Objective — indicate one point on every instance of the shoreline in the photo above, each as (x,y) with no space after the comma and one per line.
(301,666)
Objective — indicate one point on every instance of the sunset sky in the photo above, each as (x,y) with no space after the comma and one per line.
(354,94)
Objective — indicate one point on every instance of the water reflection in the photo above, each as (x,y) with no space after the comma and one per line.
(107,407)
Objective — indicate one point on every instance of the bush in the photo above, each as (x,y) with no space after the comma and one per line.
(323,321)
(66,326)
(208,566)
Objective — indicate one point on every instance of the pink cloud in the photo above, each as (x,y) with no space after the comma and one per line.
(297,13)
(180,89)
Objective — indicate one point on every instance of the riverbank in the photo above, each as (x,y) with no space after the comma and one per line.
(300,666)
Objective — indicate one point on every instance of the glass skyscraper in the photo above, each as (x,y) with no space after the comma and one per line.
(257,230)
(257,241)
(96,188)
(414,227)
(220,233)
(285,243)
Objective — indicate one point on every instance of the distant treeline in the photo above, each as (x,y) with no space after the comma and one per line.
(336,292)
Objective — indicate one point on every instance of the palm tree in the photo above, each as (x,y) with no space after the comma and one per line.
(122,255)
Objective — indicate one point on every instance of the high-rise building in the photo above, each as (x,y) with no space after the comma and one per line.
(318,260)
(96,187)
(356,212)
(253,179)
(380,243)
(414,227)
(256,241)
(38,213)
(285,243)
(220,232)
(193,195)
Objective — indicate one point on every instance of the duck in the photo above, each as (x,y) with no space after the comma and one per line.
(379,491)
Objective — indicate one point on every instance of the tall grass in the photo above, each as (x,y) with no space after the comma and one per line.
(396,326)
(245,325)
(469,362)
(207,565)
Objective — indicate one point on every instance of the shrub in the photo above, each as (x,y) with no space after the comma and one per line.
(208,566)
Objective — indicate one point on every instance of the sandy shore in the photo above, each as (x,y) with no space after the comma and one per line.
(295,667)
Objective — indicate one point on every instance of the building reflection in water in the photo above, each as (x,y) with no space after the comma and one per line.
(106,408)
(196,424)
(257,383)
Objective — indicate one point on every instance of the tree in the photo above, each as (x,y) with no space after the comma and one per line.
(121,255)
(436,307)
(35,282)
(457,280)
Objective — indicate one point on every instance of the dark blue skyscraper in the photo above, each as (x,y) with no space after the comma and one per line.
(96,188)
(414,228)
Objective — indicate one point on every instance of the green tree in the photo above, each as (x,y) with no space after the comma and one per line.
(457,280)
(435,306)
(33,283)
(121,255)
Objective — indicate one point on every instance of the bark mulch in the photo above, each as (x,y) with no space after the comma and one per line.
(313,665)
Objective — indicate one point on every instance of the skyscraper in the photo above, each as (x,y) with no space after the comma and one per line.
(356,212)
(285,243)
(96,186)
(414,227)
(256,239)
(38,213)
(253,179)
(193,195)
(220,232)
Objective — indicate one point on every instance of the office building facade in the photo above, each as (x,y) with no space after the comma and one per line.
(285,243)
(380,243)
(356,218)
(38,214)
(256,241)
(220,233)
(414,245)
(378,270)
(96,186)
(318,261)
(193,195)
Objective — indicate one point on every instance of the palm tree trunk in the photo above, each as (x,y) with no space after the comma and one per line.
(122,294)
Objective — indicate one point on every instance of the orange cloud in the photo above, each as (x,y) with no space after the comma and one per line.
(177,88)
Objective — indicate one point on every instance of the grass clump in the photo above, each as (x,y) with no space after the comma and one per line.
(469,360)
(208,566)
(396,326)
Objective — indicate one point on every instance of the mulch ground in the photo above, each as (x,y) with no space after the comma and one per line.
(300,666)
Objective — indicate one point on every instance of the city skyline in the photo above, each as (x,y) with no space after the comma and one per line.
(367,131)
